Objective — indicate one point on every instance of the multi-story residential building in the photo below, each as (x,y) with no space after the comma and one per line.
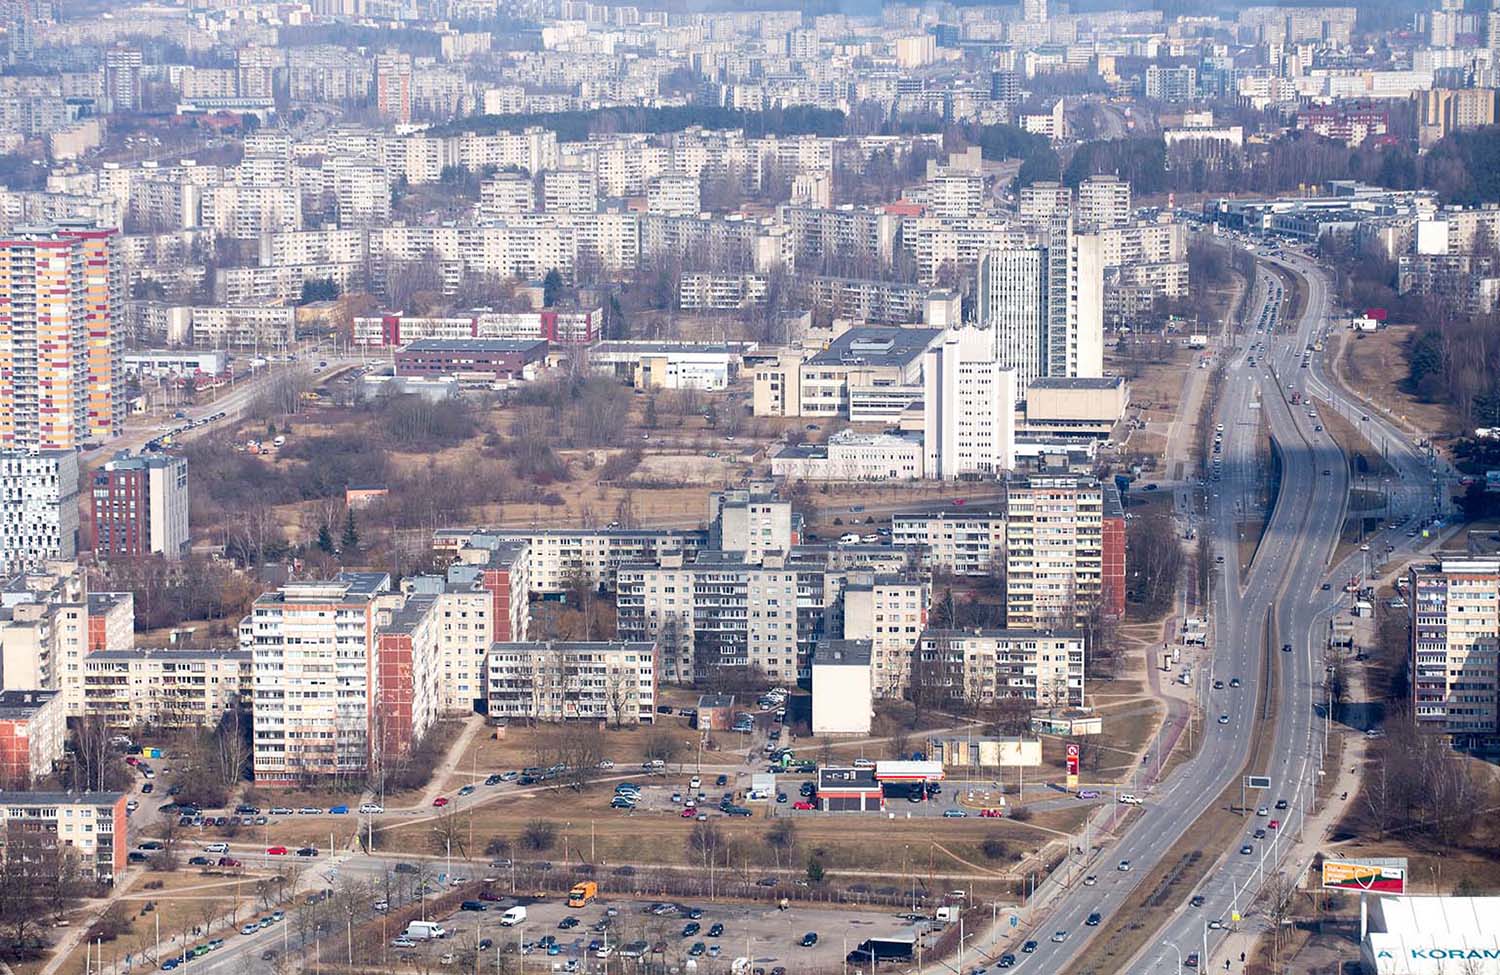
(60,343)
(1172,85)
(1046,306)
(164,688)
(982,666)
(1040,202)
(1103,201)
(37,825)
(569,191)
(1448,110)
(1064,550)
(865,300)
(50,623)
(555,326)
(1455,647)
(38,507)
(969,406)
(712,613)
(754,523)
(673,195)
(33,727)
(139,507)
(964,541)
(866,236)
(557,557)
(890,612)
(505,194)
(407,690)
(560,681)
(393,86)
(313,655)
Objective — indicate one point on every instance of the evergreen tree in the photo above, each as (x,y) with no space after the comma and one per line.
(325,539)
(552,286)
(350,538)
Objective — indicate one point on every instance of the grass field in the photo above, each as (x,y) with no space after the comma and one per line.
(1375,364)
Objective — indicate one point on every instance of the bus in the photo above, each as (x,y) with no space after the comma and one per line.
(582,893)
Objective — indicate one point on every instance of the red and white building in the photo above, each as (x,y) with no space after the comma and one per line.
(557,326)
(33,726)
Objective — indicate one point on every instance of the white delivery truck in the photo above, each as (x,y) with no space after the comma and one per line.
(512,917)
(425,930)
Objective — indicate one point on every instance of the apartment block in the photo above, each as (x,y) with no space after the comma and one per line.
(964,541)
(889,612)
(1064,553)
(60,343)
(407,693)
(165,688)
(33,728)
(982,666)
(313,649)
(969,406)
(39,824)
(711,613)
(756,524)
(1455,646)
(38,507)
(1103,201)
(560,681)
(557,556)
(140,507)
(50,624)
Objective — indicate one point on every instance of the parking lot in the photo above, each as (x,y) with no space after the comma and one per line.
(771,938)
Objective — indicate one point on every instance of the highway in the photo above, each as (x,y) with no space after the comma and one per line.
(1288,573)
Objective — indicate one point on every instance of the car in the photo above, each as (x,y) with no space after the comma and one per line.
(1094,919)
(1058,937)
(440,801)
(169,964)
(687,813)
(622,802)
(1259,834)
(954,814)
(1234,682)
(494,779)
(697,949)
(803,805)
(604,951)
(722,780)
(571,921)
(467,790)
(604,763)
(402,941)
(1274,824)
(1281,803)
(280,811)
(1327,472)
(1090,880)
(715,930)
(404,867)
(1007,960)
(308,851)
(276,851)
(1123,866)
(199,861)
(1286,648)
(339,810)
(1216,925)
(1223,719)
(1218,685)
(268,955)
(1028,947)
(1088,793)
(1263,811)
(229,862)
(381,906)
(691,928)
(781,797)
(148,788)
(278,916)
(809,939)
(309,811)
(482,906)
(1246,850)
(249,927)
(1196,901)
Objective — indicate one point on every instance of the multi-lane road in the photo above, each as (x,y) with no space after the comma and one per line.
(1290,569)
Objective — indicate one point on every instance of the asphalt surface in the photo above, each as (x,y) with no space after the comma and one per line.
(1289,569)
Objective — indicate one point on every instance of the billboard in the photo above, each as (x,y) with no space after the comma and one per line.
(1072,766)
(1383,876)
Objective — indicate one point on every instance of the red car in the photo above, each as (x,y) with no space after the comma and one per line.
(228,862)
(132,760)
(276,851)
(992,813)
(1274,824)
(440,801)
(689,812)
(803,804)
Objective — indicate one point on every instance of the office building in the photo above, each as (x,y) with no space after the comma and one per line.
(38,507)
(60,346)
(33,728)
(969,406)
(140,507)
(1045,306)
(1455,646)
(164,688)
(560,681)
(37,825)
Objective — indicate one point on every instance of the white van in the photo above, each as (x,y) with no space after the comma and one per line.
(512,917)
(216,848)
(425,930)
(851,538)
(1129,799)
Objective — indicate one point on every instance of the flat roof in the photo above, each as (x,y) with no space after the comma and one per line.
(576,646)
(9,798)
(874,345)
(1077,382)
(170,653)
(841,653)
(475,345)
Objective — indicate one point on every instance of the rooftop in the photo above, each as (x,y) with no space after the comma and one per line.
(8,798)
(24,704)
(873,345)
(842,653)
(1077,382)
(170,653)
(476,345)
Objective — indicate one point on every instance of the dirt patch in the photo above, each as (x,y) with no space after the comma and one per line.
(1374,365)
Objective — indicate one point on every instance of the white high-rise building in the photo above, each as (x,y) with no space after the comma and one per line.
(1045,306)
(1103,201)
(38,507)
(969,396)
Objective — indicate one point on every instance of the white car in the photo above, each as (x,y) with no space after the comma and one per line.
(604,951)
(402,942)
(371,807)
(1262,811)
(606,764)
